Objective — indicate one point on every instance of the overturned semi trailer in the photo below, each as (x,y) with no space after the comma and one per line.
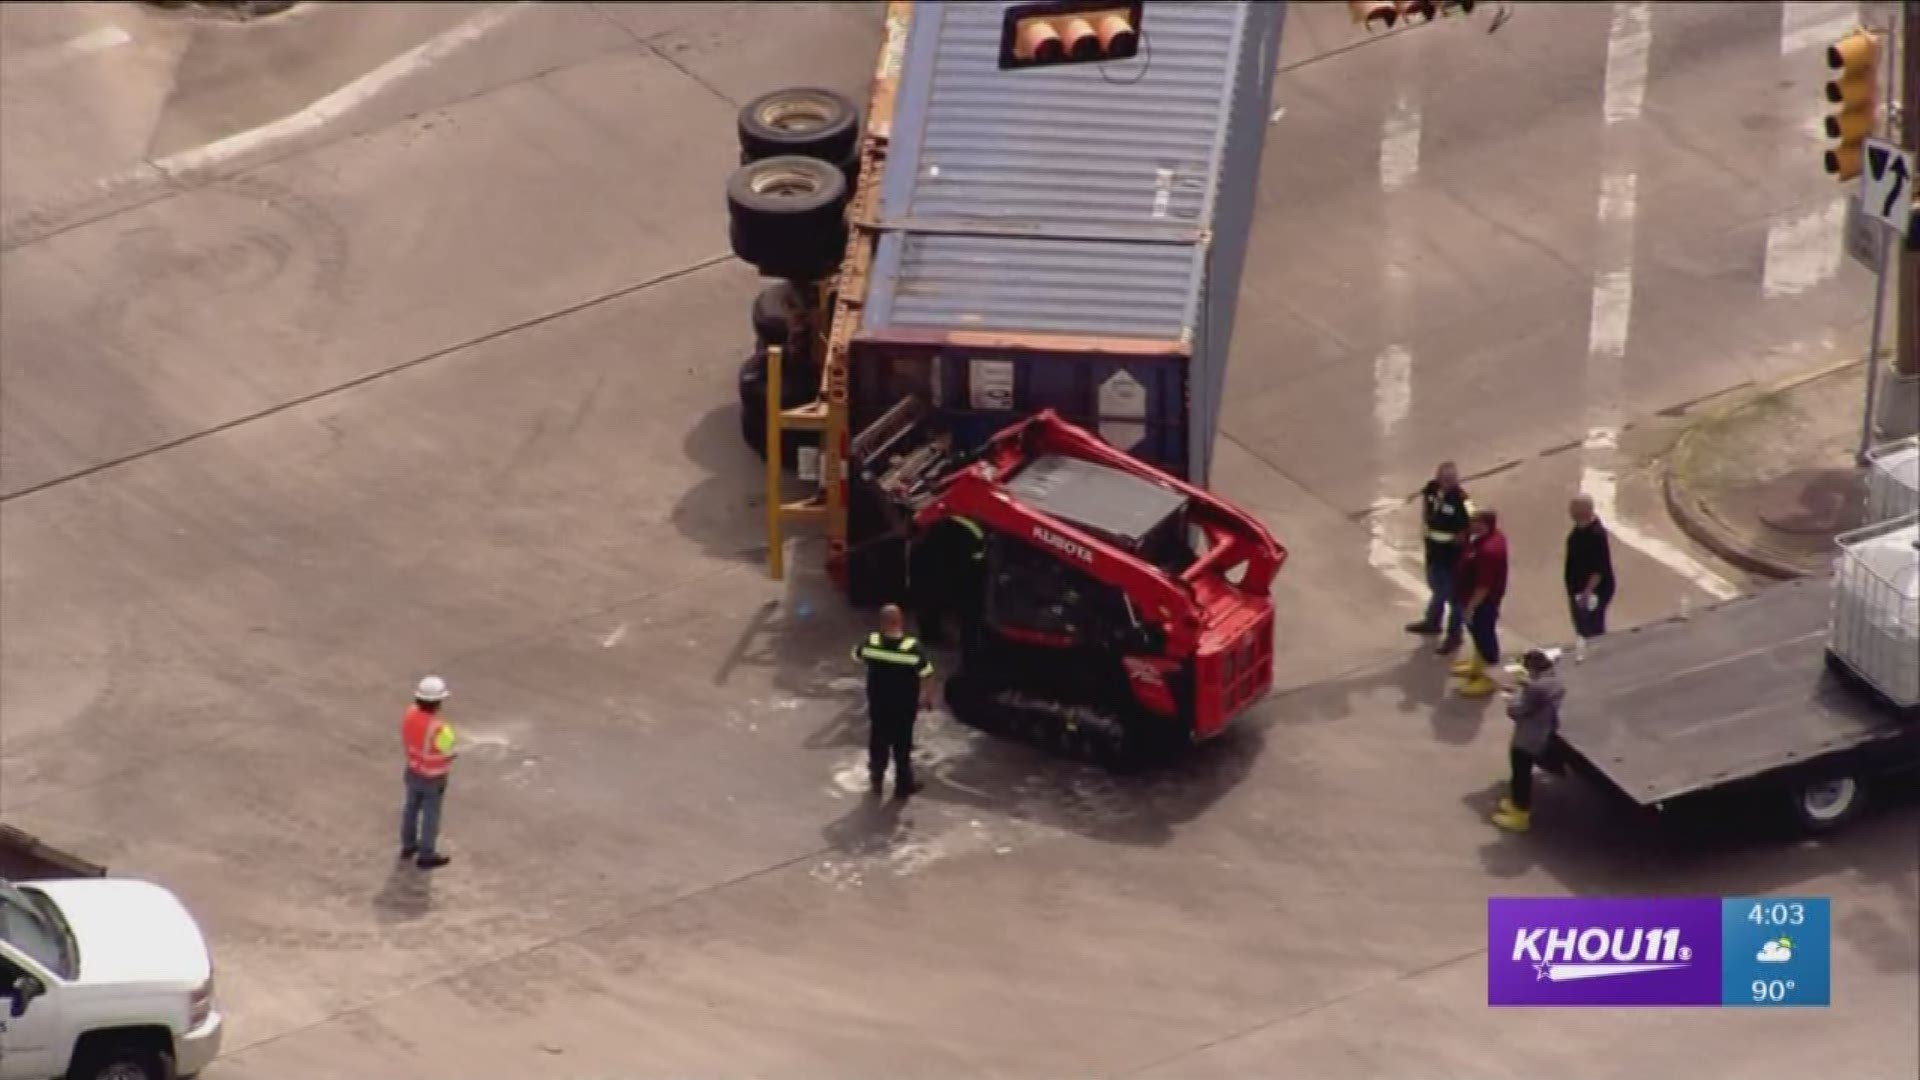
(1066,237)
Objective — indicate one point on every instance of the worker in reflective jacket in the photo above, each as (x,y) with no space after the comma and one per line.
(429,744)
(1444,510)
(899,685)
(946,573)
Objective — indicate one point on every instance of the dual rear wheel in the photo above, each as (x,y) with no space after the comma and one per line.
(786,203)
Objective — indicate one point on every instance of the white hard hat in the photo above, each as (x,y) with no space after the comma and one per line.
(432,688)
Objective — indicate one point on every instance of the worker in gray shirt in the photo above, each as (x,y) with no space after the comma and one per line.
(1535,712)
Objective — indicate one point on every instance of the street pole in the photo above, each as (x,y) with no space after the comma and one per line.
(1883,255)
(1868,416)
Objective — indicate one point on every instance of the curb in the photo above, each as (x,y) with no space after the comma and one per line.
(1700,524)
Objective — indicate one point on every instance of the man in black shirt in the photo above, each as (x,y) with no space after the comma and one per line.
(1589,569)
(899,685)
(1444,511)
(946,571)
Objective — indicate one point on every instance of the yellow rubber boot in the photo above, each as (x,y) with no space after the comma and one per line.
(1506,805)
(1513,820)
(1477,684)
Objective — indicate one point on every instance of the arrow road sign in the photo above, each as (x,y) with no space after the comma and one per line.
(1886,185)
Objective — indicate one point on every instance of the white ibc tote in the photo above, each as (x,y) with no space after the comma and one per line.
(1893,480)
(1876,607)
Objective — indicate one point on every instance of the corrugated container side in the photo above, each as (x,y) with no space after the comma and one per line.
(1245,132)
(1137,403)
(1070,238)
(926,283)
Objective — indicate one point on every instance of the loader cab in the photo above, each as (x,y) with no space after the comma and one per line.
(1044,594)
(1039,599)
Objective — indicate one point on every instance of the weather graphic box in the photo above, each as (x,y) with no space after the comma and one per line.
(1775,950)
(1659,952)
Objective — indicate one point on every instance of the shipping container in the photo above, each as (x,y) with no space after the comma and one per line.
(1069,237)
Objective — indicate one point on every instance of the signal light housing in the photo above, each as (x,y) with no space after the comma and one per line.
(1383,14)
(1069,32)
(1374,14)
(1855,91)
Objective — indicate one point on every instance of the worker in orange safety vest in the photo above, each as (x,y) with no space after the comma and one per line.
(429,744)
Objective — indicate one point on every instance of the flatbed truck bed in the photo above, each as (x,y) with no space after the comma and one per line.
(1740,695)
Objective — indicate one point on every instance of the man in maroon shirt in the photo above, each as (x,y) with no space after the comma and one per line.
(1482,584)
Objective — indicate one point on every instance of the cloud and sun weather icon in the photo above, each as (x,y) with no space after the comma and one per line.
(1776,951)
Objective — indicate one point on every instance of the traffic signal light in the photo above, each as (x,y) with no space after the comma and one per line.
(1854,92)
(1376,14)
(1069,32)
(1382,14)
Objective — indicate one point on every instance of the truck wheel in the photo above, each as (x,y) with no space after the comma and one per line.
(774,313)
(1825,805)
(753,408)
(787,216)
(753,412)
(119,1061)
(804,121)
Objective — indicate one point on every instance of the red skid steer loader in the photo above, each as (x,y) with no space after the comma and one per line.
(1125,613)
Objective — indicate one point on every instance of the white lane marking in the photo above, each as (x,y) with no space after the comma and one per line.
(1400,145)
(1611,319)
(38,60)
(1610,323)
(346,98)
(1804,245)
(1602,486)
(1804,25)
(1393,367)
(1627,44)
(1803,250)
(1618,199)
(1392,388)
(1386,557)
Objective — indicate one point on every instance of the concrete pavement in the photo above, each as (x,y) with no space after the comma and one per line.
(1769,480)
(443,381)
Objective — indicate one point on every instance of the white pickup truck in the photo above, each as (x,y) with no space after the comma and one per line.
(102,979)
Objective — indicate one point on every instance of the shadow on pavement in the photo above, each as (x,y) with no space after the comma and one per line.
(724,512)
(805,654)
(872,828)
(1029,784)
(406,896)
(1424,689)
(1736,846)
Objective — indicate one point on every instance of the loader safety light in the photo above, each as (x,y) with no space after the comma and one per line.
(1070,32)
(1855,92)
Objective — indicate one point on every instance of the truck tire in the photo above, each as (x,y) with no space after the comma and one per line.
(1828,803)
(774,312)
(753,412)
(121,1061)
(805,121)
(787,217)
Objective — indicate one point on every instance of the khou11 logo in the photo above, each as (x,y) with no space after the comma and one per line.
(1574,951)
